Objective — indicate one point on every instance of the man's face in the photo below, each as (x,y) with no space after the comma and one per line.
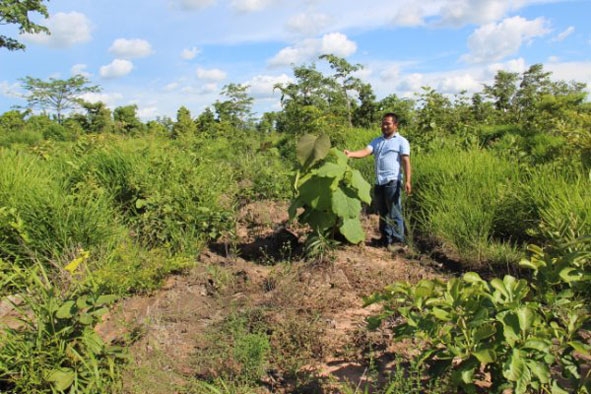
(388,127)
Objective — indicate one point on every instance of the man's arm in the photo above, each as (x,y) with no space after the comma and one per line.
(407,173)
(358,154)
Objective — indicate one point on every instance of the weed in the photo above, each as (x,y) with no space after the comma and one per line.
(56,348)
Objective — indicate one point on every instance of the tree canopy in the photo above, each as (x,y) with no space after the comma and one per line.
(16,12)
(57,94)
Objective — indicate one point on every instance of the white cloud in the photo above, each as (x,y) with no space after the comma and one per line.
(109,99)
(213,74)
(67,29)
(461,12)
(493,42)
(117,68)
(261,86)
(171,86)
(390,73)
(571,71)
(193,4)
(308,24)
(411,82)
(190,53)
(562,35)
(334,43)
(10,90)
(457,83)
(411,15)
(513,66)
(129,49)
(338,44)
(80,69)
(250,5)
(208,88)
(147,112)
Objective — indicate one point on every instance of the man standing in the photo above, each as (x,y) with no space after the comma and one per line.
(391,154)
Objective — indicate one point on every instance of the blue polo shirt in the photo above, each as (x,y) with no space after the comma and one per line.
(387,155)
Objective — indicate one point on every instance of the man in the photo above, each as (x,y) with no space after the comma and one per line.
(393,172)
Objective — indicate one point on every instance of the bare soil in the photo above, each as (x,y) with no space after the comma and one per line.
(313,310)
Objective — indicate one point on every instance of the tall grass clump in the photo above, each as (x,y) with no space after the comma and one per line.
(455,201)
(550,205)
(167,193)
(40,218)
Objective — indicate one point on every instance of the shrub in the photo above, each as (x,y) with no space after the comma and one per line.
(55,349)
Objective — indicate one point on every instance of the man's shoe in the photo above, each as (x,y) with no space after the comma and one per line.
(377,242)
(397,247)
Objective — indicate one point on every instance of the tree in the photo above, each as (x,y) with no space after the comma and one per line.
(99,118)
(57,94)
(16,12)
(126,120)
(205,121)
(534,84)
(238,109)
(503,91)
(12,121)
(366,114)
(184,125)
(344,78)
(307,102)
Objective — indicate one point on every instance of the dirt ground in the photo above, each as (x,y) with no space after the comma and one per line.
(314,308)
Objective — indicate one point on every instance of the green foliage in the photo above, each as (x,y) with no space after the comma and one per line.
(43,220)
(329,191)
(23,138)
(55,348)
(547,203)
(239,350)
(127,121)
(16,12)
(184,125)
(456,199)
(130,268)
(57,94)
(12,121)
(503,327)
(237,110)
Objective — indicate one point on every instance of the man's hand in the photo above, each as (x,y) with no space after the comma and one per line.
(407,188)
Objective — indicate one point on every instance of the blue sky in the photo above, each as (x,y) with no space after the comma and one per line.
(164,54)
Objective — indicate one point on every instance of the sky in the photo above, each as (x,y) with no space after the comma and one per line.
(164,54)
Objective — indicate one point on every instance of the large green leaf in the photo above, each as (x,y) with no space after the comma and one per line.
(66,311)
(318,220)
(511,327)
(311,149)
(484,331)
(345,206)
(486,356)
(331,170)
(540,370)
(361,185)
(516,370)
(315,192)
(441,314)
(526,317)
(61,379)
(352,230)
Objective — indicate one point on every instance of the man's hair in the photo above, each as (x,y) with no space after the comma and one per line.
(391,115)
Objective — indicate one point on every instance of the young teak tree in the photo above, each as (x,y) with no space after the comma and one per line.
(57,94)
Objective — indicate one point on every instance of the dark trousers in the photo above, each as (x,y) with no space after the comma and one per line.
(388,203)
